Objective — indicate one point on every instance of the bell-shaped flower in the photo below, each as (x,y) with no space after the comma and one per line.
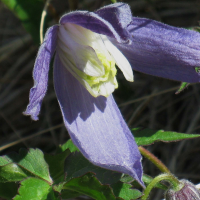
(87,46)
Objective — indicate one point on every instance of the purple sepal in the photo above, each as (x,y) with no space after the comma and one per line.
(110,21)
(119,16)
(162,50)
(96,126)
(40,72)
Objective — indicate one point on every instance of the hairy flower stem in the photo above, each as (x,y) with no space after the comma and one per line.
(154,160)
(174,182)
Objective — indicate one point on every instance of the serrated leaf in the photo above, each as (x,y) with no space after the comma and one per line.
(29,12)
(77,165)
(12,172)
(4,160)
(56,165)
(35,189)
(124,191)
(32,161)
(147,136)
(68,145)
(8,190)
(90,186)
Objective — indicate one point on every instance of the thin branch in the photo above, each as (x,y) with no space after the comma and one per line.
(44,13)
(154,160)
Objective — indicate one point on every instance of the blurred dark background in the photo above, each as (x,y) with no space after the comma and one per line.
(149,107)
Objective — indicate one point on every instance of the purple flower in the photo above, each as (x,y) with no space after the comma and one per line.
(87,46)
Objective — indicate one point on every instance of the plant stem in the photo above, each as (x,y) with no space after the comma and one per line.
(174,182)
(154,160)
(44,13)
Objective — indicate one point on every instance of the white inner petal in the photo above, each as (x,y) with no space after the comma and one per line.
(120,59)
(86,37)
(90,58)
(84,57)
(70,68)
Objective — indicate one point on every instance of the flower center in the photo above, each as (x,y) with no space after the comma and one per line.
(99,84)
(85,54)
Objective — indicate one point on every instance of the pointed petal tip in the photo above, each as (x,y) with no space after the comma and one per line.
(40,73)
(130,78)
(135,171)
(33,116)
(96,126)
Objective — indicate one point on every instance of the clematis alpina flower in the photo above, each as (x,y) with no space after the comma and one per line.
(87,46)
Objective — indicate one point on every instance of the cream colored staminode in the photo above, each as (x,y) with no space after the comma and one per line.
(91,58)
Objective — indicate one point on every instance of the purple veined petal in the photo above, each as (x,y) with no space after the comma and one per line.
(96,126)
(119,17)
(162,50)
(40,72)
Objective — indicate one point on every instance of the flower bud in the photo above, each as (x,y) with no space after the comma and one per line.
(187,192)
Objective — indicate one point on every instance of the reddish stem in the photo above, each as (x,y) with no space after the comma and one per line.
(154,160)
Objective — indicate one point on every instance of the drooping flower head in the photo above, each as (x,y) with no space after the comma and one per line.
(87,46)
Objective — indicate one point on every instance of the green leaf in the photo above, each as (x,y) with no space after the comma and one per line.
(56,164)
(4,160)
(124,191)
(77,165)
(146,179)
(8,190)
(148,136)
(68,194)
(59,186)
(29,12)
(35,189)
(90,186)
(68,145)
(182,87)
(127,179)
(12,172)
(32,161)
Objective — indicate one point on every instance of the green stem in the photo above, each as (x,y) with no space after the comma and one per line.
(154,160)
(114,1)
(176,185)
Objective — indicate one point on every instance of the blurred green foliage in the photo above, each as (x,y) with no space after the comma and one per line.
(29,12)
